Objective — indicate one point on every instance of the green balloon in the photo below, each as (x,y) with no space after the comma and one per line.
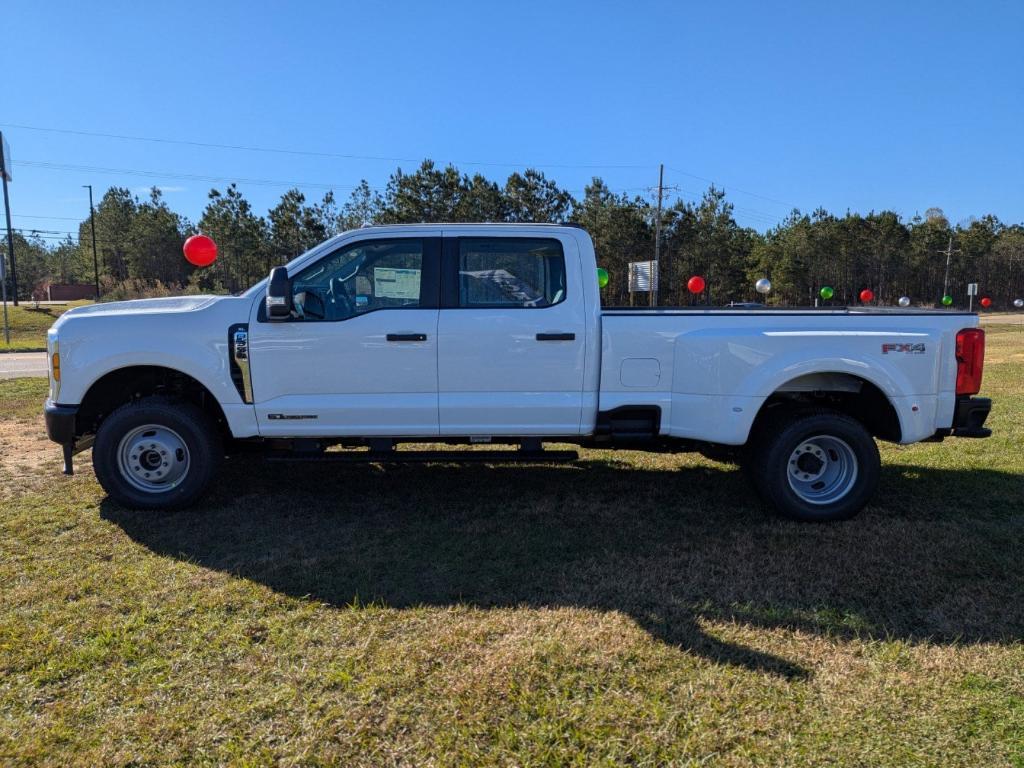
(827,292)
(602,277)
(947,300)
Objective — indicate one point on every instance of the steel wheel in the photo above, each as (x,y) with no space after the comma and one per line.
(153,458)
(822,469)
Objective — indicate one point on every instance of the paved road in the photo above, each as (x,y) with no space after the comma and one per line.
(14,365)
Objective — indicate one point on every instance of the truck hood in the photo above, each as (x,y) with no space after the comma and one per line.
(143,306)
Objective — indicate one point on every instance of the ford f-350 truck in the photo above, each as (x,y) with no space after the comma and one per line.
(477,333)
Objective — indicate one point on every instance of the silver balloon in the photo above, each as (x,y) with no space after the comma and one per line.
(764,285)
(1018,303)
(904,301)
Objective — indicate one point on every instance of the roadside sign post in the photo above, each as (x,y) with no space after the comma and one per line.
(972,291)
(643,278)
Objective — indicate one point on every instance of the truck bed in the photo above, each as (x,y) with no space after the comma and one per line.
(801,311)
(710,370)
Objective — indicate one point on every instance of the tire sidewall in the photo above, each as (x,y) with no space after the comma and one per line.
(775,470)
(188,421)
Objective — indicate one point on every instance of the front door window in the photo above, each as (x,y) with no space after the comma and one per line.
(361,278)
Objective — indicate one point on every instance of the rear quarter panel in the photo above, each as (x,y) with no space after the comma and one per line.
(710,372)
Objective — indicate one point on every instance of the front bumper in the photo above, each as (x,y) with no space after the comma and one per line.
(60,421)
(969,417)
(60,427)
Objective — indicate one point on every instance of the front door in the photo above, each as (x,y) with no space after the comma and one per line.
(511,345)
(359,354)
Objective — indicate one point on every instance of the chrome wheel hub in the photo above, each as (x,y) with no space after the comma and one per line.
(153,458)
(822,469)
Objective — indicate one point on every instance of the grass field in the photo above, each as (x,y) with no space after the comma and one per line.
(632,609)
(29,325)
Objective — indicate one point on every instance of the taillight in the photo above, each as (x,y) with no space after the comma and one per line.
(970,359)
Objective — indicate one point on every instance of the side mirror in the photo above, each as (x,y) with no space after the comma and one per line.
(279,295)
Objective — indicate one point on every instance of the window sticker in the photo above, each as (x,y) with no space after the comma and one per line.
(394,283)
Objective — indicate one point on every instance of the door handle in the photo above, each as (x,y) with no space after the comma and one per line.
(556,337)
(407,337)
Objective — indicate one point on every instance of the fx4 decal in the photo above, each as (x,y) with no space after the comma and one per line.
(907,349)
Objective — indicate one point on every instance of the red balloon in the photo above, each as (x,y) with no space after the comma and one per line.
(867,295)
(200,250)
(695,284)
(986,302)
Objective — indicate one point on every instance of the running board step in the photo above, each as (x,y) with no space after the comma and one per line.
(422,457)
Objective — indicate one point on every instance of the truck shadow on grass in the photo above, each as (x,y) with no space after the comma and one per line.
(668,547)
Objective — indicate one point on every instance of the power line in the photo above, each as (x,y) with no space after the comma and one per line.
(75,239)
(51,218)
(181,176)
(376,158)
(308,153)
(41,231)
(41,164)
(694,198)
(215,179)
(734,189)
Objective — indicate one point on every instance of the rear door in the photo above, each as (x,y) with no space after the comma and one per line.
(511,336)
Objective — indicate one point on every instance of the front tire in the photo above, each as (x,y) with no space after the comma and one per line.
(156,454)
(814,466)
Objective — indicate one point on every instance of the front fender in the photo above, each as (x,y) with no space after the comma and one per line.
(194,343)
(218,383)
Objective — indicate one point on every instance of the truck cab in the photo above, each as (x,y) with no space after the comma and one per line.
(478,333)
(424,332)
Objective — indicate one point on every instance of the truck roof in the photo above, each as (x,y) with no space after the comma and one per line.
(472,225)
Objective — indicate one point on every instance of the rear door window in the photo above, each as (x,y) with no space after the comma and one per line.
(510,272)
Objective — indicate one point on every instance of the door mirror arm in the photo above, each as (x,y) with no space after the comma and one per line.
(279,295)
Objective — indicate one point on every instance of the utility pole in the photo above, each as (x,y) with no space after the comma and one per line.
(656,264)
(10,240)
(92,224)
(5,174)
(949,255)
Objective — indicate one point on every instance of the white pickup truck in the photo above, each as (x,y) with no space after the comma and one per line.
(463,334)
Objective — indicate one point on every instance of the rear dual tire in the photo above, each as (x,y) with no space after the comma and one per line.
(814,465)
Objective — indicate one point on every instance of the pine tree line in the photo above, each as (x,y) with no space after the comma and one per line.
(139,241)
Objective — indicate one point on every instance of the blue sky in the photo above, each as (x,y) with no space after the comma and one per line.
(860,106)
